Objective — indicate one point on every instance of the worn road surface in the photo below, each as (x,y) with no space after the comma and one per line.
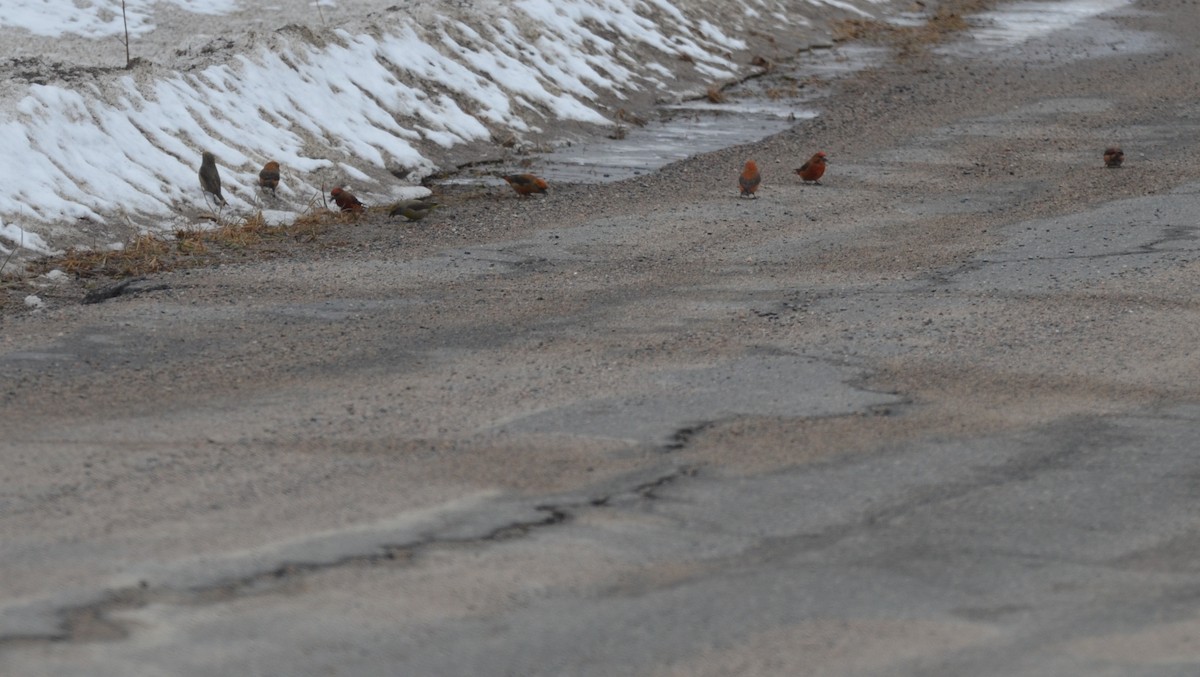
(938,416)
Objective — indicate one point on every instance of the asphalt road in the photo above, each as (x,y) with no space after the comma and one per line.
(937,416)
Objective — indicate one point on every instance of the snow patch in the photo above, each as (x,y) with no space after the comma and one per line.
(14,237)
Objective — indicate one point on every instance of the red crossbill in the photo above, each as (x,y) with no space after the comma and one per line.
(814,169)
(346,200)
(749,179)
(526,184)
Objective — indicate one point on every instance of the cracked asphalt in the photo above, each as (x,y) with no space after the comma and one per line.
(937,416)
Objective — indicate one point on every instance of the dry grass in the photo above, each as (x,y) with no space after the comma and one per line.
(8,283)
(623,115)
(715,95)
(763,36)
(846,30)
(190,241)
(246,233)
(789,91)
(187,247)
(945,21)
(146,253)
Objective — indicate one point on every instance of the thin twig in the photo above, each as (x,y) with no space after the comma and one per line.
(125,21)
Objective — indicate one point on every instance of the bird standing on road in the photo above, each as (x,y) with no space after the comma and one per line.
(345,200)
(526,184)
(268,177)
(210,180)
(413,210)
(1113,156)
(814,169)
(749,179)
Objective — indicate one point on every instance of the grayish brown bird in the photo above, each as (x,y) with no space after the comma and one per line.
(1113,157)
(413,210)
(210,180)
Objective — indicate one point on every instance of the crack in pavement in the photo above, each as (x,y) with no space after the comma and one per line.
(681,437)
(1075,439)
(1143,249)
(95,621)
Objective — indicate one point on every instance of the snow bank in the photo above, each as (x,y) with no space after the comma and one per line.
(334,97)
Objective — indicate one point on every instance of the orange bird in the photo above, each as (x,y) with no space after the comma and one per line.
(346,200)
(1113,157)
(526,184)
(749,179)
(268,178)
(814,169)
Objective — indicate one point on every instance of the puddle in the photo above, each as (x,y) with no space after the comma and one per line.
(692,130)
(1023,21)
(755,109)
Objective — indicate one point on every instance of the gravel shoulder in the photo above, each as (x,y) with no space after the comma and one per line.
(877,426)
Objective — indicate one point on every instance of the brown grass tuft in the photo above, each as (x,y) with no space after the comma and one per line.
(315,220)
(146,253)
(623,115)
(190,241)
(245,233)
(845,30)
(946,20)
(715,95)
(186,247)
(783,91)
(763,63)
